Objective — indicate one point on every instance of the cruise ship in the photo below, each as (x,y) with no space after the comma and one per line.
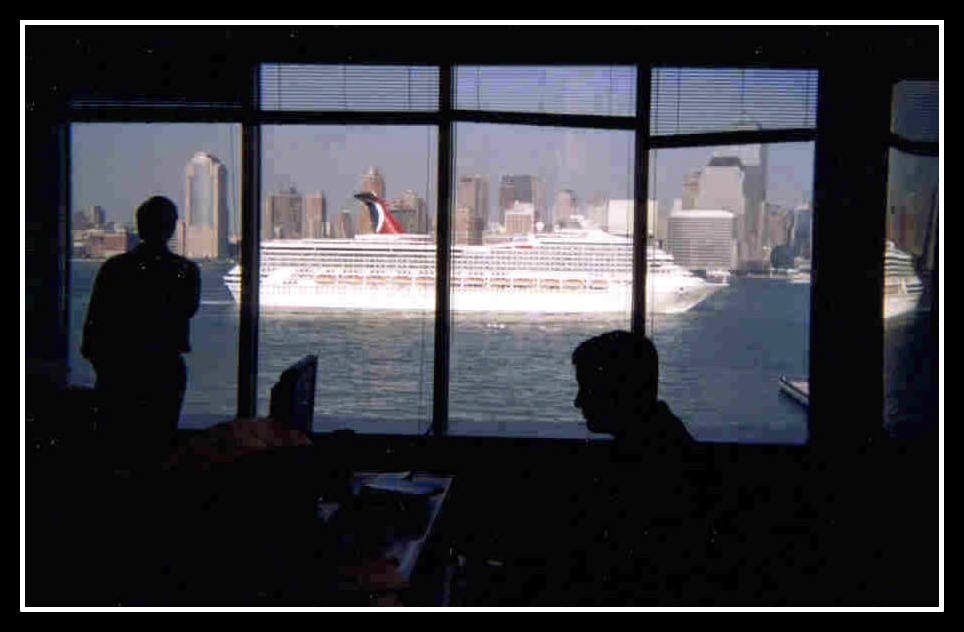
(902,287)
(569,271)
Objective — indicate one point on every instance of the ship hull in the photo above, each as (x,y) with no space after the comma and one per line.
(307,297)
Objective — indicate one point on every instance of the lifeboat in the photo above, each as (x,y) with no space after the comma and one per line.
(324,279)
(499,282)
(522,283)
(598,284)
(424,280)
(351,279)
(573,284)
(549,284)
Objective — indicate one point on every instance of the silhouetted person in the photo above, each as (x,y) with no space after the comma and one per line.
(137,327)
(646,510)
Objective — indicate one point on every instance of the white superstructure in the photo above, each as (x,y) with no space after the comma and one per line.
(902,286)
(570,271)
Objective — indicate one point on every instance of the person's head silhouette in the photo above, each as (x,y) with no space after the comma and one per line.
(156,219)
(617,374)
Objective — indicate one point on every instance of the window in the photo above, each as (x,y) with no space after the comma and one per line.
(541,207)
(910,259)
(728,287)
(115,167)
(541,260)
(333,286)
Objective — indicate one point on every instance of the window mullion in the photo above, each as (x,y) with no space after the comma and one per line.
(250,254)
(446,151)
(641,196)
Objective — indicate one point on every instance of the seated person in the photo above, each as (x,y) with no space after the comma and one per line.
(618,373)
(644,517)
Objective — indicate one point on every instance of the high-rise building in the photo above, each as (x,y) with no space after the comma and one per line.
(316,217)
(344,226)
(92,216)
(283,216)
(565,207)
(373,182)
(802,232)
(526,189)
(691,189)
(411,212)
(205,230)
(473,194)
(520,219)
(620,216)
(702,239)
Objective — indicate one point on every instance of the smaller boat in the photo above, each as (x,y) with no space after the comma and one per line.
(796,388)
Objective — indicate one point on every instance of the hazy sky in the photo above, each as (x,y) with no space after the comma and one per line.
(117,165)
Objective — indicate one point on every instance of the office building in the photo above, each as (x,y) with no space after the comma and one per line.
(373,182)
(205,219)
(565,207)
(702,239)
(520,219)
(316,217)
(283,216)
(525,189)
(473,194)
(411,212)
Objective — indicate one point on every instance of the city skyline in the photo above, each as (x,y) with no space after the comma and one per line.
(134,161)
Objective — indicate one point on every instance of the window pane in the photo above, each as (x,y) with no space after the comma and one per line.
(700,100)
(347,88)
(910,346)
(541,261)
(337,283)
(114,168)
(599,90)
(728,287)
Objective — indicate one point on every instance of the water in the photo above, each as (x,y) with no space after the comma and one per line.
(510,373)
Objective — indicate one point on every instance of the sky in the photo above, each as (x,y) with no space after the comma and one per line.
(118,165)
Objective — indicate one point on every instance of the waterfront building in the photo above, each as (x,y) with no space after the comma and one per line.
(316,217)
(373,182)
(565,207)
(702,239)
(283,216)
(526,189)
(205,231)
(473,194)
(520,219)
(411,212)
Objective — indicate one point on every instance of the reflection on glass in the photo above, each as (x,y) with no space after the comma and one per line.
(727,289)
(909,260)
(348,271)
(541,260)
(115,167)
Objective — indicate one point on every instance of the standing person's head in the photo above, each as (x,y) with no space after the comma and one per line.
(617,374)
(156,219)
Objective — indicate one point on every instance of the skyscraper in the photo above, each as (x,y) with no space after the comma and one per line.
(316,217)
(473,195)
(564,207)
(283,216)
(205,221)
(526,189)
(373,182)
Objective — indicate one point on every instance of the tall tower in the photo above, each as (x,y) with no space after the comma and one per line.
(373,182)
(473,194)
(205,223)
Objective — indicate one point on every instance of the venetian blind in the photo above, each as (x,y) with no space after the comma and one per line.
(579,90)
(310,87)
(704,100)
(915,114)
